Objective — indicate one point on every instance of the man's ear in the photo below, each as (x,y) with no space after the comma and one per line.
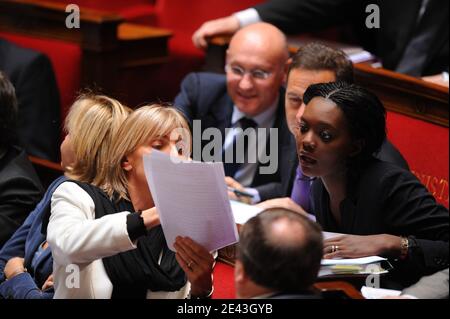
(126,165)
(286,70)
(357,147)
(239,272)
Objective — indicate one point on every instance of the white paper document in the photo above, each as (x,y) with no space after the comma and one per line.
(192,200)
(377,293)
(243,212)
(352,261)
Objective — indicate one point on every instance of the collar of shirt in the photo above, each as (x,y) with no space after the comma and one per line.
(264,119)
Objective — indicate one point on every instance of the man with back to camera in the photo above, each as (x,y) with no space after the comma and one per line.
(278,256)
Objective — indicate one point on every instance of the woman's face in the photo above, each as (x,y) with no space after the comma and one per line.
(135,164)
(323,139)
(67,153)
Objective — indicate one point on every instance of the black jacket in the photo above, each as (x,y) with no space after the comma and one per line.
(20,191)
(32,75)
(397,21)
(386,199)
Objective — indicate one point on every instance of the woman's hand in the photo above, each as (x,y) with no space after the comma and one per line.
(13,267)
(151,217)
(234,184)
(286,203)
(48,283)
(353,246)
(197,263)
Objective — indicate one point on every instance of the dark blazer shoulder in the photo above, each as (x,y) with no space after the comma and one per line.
(203,94)
(16,166)
(14,58)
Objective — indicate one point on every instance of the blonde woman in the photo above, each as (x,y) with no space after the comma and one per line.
(26,261)
(110,234)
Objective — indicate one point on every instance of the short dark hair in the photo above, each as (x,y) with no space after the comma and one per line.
(8,112)
(287,266)
(315,56)
(364,113)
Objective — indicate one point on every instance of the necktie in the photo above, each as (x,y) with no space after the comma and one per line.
(301,190)
(232,168)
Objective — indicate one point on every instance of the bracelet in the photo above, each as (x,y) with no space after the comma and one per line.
(404,247)
(208,296)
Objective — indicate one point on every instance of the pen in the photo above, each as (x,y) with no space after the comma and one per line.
(240,193)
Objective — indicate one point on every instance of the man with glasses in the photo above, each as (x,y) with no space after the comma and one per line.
(249,96)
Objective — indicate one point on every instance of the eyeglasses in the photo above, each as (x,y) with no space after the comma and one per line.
(240,72)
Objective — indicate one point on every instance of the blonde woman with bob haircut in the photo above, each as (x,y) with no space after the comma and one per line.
(124,246)
(83,153)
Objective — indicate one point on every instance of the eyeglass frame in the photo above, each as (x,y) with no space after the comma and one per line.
(265,74)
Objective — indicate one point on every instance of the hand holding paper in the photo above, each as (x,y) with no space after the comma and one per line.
(192,200)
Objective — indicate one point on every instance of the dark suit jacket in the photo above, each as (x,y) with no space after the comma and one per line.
(32,75)
(204,97)
(397,19)
(20,191)
(386,199)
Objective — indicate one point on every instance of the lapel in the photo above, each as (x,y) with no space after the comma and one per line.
(283,138)
(349,207)
(218,116)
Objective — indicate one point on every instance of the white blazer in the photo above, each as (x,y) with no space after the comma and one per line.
(79,241)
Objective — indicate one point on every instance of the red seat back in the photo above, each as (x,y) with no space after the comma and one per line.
(425,147)
(189,15)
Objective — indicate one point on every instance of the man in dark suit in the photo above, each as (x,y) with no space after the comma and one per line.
(250,96)
(20,189)
(412,38)
(278,256)
(39,107)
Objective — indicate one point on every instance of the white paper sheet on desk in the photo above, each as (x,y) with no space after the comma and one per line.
(243,212)
(377,293)
(328,235)
(192,200)
(352,261)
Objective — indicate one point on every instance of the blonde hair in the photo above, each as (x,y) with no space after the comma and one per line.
(145,124)
(93,122)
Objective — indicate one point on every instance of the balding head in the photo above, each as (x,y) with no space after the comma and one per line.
(281,251)
(256,67)
(263,40)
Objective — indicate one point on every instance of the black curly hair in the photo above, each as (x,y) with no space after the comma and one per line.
(364,112)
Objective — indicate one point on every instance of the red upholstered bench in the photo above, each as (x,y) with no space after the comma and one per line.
(425,146)
(65,58)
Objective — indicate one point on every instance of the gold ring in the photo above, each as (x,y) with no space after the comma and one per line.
(333,248)
(190,264)
(336,248)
